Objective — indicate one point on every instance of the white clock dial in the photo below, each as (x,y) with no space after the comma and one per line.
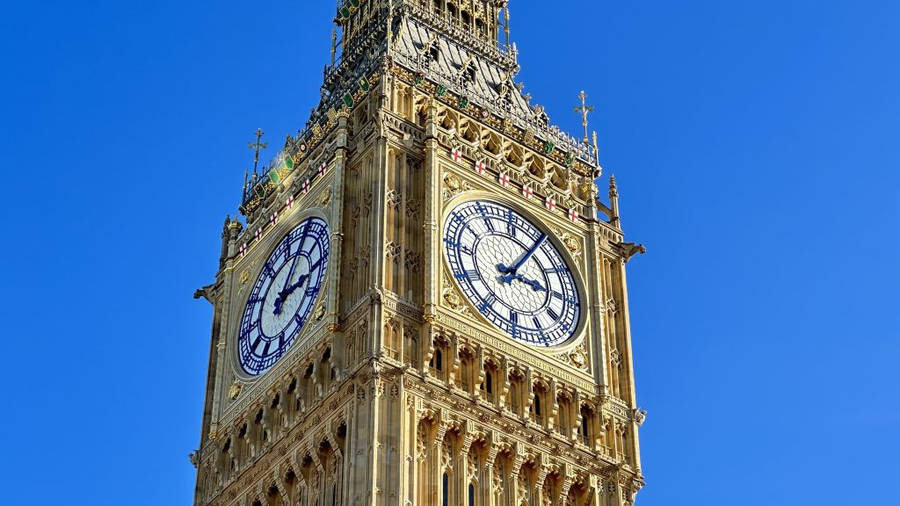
(512,273)
(282,298)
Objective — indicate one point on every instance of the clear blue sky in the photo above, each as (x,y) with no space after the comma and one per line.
(755,144)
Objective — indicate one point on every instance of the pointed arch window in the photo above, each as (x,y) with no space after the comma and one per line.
(445,490)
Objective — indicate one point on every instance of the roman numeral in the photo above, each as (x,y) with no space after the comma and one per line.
(470,275)
(488,302)
(552,314)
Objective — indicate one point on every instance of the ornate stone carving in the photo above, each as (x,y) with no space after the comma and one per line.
(454,185)
(235,390)
(325,197)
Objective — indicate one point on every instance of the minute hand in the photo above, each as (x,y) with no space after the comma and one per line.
(511,271)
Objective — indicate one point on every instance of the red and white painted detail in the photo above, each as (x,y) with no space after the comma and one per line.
(527,192)
(503,179)
(456,155)
(322,169)
(479,167)
(573,215)
(290,202)
(550,202)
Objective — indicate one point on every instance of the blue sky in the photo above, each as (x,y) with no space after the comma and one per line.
(755,145)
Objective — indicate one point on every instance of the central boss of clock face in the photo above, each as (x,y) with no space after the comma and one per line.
(282,298)
(512,273)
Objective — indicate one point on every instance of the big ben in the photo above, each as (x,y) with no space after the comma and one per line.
(425,302)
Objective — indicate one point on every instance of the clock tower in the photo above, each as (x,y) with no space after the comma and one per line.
(425,303)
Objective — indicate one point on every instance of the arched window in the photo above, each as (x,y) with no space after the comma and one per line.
(587,419)
(438,360)
(471,494)
(537,405)
(489,383)
(445,487)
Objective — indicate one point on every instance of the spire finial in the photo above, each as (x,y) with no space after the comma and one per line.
(584,110)
(333,44)
(506,22)
(256,146)
(390,25)
(615,220)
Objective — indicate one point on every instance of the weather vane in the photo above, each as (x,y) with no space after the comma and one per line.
(584,110)
(256,146)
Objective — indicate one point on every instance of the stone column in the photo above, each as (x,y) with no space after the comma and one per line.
(432,254)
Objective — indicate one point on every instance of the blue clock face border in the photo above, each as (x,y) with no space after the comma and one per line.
(512,273)
(283,296)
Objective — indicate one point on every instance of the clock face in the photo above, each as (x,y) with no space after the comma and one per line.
(512,273)
(282,298)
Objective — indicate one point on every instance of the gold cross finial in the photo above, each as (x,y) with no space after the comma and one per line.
(584,110)
(256,146)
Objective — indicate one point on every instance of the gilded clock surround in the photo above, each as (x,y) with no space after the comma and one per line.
(530,211)
(395,392)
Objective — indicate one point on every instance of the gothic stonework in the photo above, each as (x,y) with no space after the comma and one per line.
(392,380)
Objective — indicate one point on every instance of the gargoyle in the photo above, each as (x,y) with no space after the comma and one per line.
(204,292)
(630,249)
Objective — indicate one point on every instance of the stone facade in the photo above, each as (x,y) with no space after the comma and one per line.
(398,392)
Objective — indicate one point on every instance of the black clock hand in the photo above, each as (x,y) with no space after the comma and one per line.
(535,285)
(290,272)
(511,271)
(283,295)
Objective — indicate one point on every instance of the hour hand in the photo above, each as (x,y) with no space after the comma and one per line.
(535,285)
(283,295)
(503,269)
